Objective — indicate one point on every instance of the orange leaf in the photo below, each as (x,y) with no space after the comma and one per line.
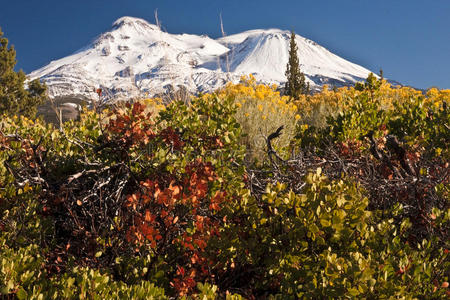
(214,206)
(180,271)
(200,243)
(157,193)
(192,273)
(146,199)
(148,216)
(194,258)
(175,189)
(199,226)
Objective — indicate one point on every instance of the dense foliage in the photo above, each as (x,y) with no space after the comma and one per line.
(260,111)
(14,98)
(144,201)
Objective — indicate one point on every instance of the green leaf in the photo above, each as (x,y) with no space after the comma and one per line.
(313,228)
(10,285)
(22,294)
(353,292)
(319,171)
(325,223)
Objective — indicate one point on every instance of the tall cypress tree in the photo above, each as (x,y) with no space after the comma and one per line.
(296,83)
(14,98)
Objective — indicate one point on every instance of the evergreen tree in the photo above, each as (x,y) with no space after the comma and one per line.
(296,83)
(14,98)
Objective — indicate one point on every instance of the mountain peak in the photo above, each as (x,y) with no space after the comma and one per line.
(133,22)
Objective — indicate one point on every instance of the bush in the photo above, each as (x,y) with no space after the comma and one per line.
(145,197)
(324,242)
(260,111)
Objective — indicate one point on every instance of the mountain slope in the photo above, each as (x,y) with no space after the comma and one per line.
(136,58)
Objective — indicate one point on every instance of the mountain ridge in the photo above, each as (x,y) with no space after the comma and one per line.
(136,58)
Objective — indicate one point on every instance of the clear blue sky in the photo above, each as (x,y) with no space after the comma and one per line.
(408,39)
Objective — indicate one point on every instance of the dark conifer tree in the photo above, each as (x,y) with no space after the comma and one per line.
(14,98)
(296,82)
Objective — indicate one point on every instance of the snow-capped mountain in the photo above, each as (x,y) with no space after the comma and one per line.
(136,58)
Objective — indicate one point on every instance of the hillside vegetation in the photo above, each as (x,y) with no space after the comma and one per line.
(241,194)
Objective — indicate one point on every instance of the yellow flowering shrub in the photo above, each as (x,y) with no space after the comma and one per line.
(155,105)
(313,109)
(260,111)
(437,97)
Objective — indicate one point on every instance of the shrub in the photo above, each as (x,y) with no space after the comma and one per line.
(315,109)
(260,111)
(323,242)
(145,197)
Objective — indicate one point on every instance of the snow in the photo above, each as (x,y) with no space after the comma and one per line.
(136,58)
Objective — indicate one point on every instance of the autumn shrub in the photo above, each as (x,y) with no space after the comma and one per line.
(136,196)
(315,109)
(399,152)
(422,122)
(152,105)
(375,106)
(284,237)
(323,241)
(23,275)
(260,111)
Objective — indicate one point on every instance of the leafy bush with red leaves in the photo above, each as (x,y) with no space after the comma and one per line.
(129,191)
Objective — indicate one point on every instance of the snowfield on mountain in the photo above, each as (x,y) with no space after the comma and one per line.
(136,58)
